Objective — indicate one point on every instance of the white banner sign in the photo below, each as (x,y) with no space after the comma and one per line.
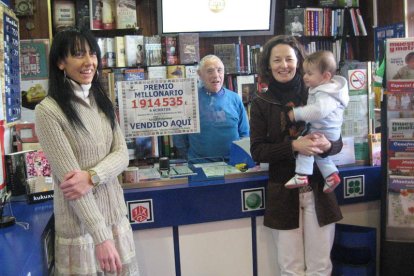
(158,107)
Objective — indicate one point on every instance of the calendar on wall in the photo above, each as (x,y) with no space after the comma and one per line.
(10,107)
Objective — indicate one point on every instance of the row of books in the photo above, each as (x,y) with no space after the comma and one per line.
(95,14)
(324,22)
(341,48)
(139,50)
(238,58)
(325,44)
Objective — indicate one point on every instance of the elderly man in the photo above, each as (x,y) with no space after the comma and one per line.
(223,118)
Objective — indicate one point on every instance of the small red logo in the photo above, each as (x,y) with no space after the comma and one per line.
(140,214)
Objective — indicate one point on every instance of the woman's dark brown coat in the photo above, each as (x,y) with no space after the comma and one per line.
(270,144)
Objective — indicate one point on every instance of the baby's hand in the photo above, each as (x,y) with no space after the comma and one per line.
(291,115)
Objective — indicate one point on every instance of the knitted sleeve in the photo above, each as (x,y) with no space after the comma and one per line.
(53,140)
(116,161)
(60,155)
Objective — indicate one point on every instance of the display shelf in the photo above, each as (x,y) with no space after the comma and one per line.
(222,199)
(165,206)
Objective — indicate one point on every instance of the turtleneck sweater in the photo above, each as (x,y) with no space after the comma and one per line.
(81,91)
(70,148)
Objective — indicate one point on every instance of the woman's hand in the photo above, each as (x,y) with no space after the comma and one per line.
(76,184)
(311,144)
(323,143)
(108,257)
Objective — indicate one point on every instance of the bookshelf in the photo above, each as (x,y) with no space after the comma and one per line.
(332,25)
(147,23)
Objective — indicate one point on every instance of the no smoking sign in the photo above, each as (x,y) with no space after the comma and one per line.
(357,79)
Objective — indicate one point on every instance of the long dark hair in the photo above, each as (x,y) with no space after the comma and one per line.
(65,43)
(263,67)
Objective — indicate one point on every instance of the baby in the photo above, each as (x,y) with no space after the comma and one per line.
(327,100)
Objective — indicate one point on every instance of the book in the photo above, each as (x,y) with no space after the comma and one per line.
(134,50)
(169,50)
(228,83)
(152,50)
(110,55)
(399,54)
(361,23)
(401,129)
(175,71)
(401,166)
(228,54)
(191,72)
(127,74)
(354,22)
(400,95)
(106,82)
(294,21)
(254,56)
(189,48)
(82,14)
(126,14)
(395,147)
(112,91)
(157,72)
(397,183)
(108,18)
(95,14)
(63,14)
(119,51)
(102,47)
(131,74)
(16,174)
(38,171)
(374,144)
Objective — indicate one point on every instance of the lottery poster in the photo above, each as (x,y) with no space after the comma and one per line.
(158,107)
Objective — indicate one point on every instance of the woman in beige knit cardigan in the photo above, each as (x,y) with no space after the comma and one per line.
(79,133)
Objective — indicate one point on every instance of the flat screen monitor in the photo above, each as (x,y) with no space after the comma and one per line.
(216,18)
